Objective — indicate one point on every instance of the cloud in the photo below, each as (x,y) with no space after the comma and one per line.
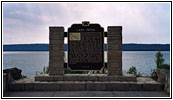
(142,22)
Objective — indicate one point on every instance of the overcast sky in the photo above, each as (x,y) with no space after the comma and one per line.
(141,22)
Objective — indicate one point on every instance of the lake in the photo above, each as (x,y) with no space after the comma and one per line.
(30,62)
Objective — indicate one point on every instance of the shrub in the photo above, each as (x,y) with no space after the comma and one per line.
(24,76)
(45,70)
(68,71)
(102,71)
(165,66)
(139,74)
(132,70)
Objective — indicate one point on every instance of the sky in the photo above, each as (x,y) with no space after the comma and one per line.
(26,23)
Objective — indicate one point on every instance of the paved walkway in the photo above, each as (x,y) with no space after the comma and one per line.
(86,94)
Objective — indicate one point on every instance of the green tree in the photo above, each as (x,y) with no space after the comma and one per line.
(159,59)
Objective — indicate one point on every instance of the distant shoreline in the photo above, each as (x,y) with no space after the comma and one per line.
(126,47)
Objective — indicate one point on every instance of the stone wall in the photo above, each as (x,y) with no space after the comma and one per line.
(164,78)
(167,84)
(5,82)
(56,50)
(114,53)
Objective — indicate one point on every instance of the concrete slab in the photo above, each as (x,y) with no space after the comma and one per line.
(29,94)
(140,94)
(86,94)
(83,94)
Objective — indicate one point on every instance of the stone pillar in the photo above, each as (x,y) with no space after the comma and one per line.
(114,50)
(56,50)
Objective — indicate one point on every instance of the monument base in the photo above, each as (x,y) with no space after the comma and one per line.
(29,84)
(85,77)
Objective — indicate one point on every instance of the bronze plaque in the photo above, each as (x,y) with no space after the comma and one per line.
(85,47)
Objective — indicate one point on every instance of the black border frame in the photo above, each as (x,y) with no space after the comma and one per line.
(91,97)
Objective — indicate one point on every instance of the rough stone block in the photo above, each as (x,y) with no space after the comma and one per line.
(58,60)
(56,30)
(128,79)
(56,48)
(114,47)
(92,78)
(56,66)
(58,78)
(114,72)
(56,33)
(114,28)
(113,78)
(100,86)
(61,72)
(116,66)
(56,42)
(16,87)
(44,86)
(135,87)
(44,78)
(113,86)
(114,60)
(115,41)
(114,55)
(56,37)
(56,72)
(71,78)
(83,78)
(52,73)
(122,78)
(103,78)
(68,86)
(60,54)
(152,87)
(29,87)
(114,37)
(114,34)
(90,86)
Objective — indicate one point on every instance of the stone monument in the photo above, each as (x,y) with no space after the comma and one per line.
(86,48)
(85,52)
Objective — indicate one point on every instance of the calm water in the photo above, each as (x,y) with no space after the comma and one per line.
(30,62)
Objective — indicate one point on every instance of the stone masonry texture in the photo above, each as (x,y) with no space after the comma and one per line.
(114,53)
(56,50)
